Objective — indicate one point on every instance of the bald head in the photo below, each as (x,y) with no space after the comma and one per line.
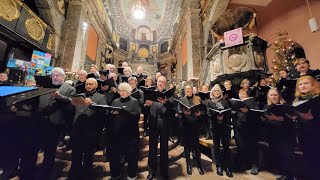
(91,84)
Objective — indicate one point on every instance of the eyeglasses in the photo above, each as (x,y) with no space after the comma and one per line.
(56,75)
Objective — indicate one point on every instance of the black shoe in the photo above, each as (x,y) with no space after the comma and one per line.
(254,170)
(229,172)
(219,171)
(189,169)
(151,176)
(201,171)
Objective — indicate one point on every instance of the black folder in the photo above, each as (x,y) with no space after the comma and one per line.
(305,106)
(216,112)
(104,72)
(145,88)
(120,70)
(204,95)
(141,83)
(106,108)
(80,88)
(186,107)
(283,109)
(136,94)
(91,75)
(43,81)
(124,79)
(109,82)
(236,104)
(154,95)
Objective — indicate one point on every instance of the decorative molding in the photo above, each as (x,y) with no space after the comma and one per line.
(35,29)
(50,43)
(9,10)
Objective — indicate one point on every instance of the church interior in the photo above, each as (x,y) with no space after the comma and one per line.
(71,70)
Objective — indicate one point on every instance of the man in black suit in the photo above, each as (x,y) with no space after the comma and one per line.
(158,127)
(55,112)
(87,128)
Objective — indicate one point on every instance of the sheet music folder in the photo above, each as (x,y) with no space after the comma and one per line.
(216,112)
(238,103)
(283,109)
(186,107)
(204,95)
(107,108)
(154,95)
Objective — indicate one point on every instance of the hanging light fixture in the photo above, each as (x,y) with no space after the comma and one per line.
(138,11)
(313,24)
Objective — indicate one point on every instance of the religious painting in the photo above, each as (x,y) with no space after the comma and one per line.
(123,44)
(164,47)
(144,34)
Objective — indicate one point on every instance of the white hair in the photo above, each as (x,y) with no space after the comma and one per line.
(128,68)
(125,87)
(58,70)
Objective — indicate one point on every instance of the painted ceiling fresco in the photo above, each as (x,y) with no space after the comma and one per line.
(160,16)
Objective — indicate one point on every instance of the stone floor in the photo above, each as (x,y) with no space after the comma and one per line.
(177,171)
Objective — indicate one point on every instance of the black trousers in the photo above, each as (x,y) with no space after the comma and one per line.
(128,147)
(83,146)
(310,145)
(247,145)
(28,148)
(146,114)
(154,133)
(49,136)
(281,143)
(221,134)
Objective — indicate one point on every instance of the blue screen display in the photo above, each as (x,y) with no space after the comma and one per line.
(10,90)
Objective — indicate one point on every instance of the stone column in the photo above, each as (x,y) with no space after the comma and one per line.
(74,41)
(100,48)
(194,38)
(179,63)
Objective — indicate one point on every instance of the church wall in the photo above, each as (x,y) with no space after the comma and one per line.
(293,16)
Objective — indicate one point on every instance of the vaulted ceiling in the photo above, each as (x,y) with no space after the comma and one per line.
(160,17)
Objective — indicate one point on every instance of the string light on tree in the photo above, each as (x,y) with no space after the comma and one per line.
(286,50)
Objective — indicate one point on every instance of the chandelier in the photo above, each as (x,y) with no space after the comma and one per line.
(138,11)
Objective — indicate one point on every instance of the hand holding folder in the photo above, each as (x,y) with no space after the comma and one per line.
(78,99)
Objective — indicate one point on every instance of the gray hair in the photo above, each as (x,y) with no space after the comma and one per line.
(83,71)
(58,70)
(132,78)
(127,68)
(125,87)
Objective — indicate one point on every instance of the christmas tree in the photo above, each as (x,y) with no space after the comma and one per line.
(287,51)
